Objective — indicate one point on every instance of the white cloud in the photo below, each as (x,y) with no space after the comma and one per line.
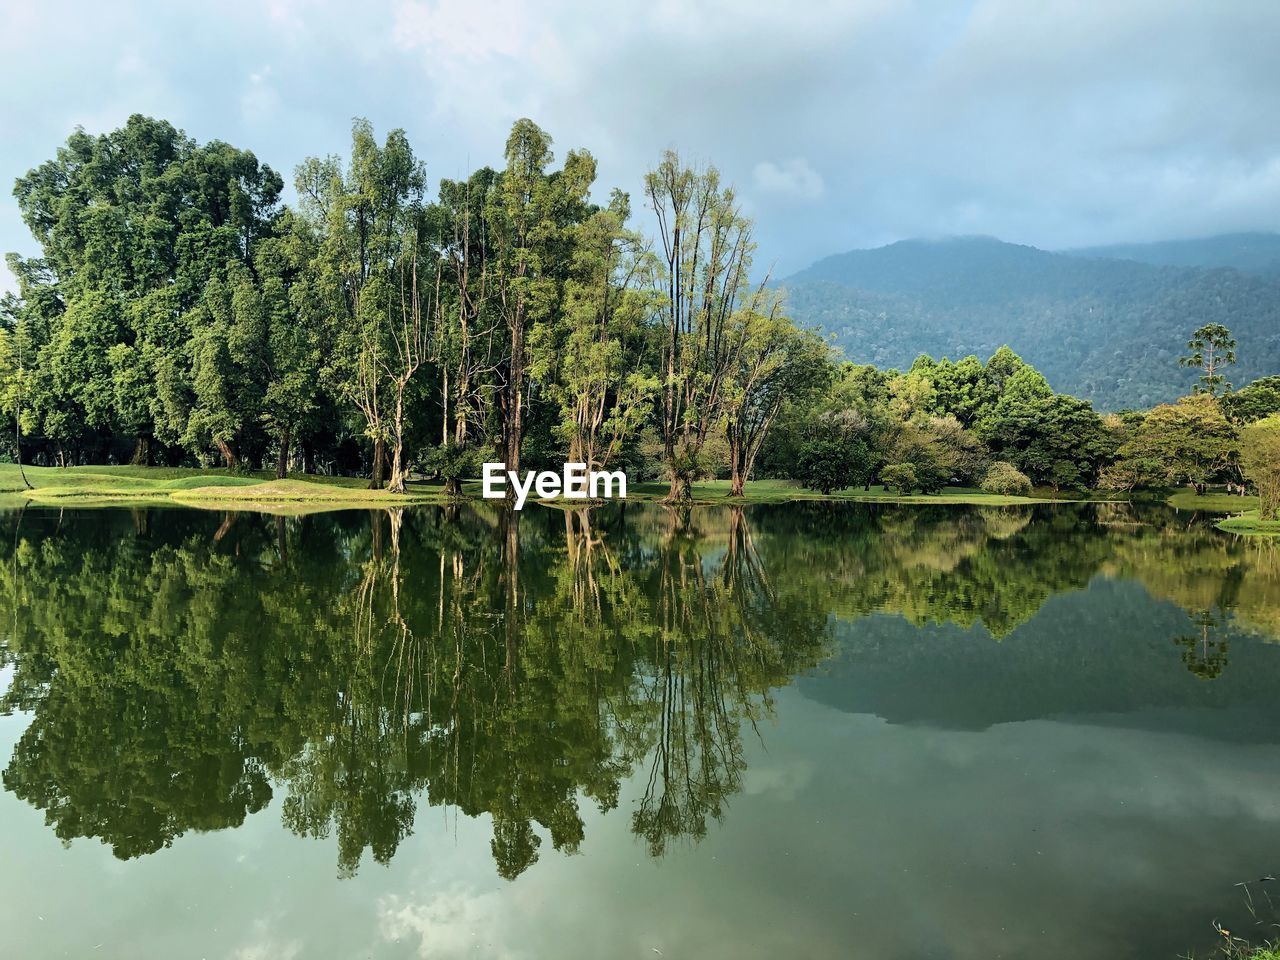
(449,923)
(793,178)
(1060,124)
(260,101)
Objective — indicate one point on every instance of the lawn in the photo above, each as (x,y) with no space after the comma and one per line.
(1212,502)
(222,489)
(1244,513)
(105,485)
(1250,523)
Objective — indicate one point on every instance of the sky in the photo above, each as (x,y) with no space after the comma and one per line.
(842,124)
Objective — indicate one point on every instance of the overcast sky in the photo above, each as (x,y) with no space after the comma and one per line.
(843,124)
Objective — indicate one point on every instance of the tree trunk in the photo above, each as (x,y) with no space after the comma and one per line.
(141,452)
(308,457)
(398,469)
(737,471)
(282,458)
(680,491)
(379,464)
(515,405)
(228,455)
(453,487)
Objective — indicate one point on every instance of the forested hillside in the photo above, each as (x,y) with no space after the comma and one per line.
(1108,330)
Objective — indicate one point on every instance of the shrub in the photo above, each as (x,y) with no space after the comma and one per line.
(1006,480)
(1260,460)
(831,455)
(454,462)
(899,476)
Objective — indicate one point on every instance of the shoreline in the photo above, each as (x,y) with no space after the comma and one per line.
(88,487)
(113,486)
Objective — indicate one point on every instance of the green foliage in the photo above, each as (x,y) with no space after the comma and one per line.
(900,477)
(1190,442)
(833,454)
(1259,399)
(180,313)
(1210,349)
(1260,462)
(1006,479)
(1056,440)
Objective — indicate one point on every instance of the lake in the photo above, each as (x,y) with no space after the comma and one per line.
(801,730)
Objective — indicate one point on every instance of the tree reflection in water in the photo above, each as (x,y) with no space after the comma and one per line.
(181,668)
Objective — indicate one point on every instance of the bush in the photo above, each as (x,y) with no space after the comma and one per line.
(900,477)
(453,463)
(1006,480)
(831,455)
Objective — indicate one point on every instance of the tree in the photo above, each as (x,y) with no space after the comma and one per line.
(13,372)
(1259,399)
(1211,348)
(597,363)
(1007,480)
(364,218)
(1056,440)
(467,342)
(899,477)
(1260,461)
(770,361)
(833,454)
(705,248)
(132,226)
(532,218)
(1189,441)
(295,349)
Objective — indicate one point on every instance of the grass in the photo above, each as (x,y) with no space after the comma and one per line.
(115,485)
(222,489)
(1250,523)
(1244,514)
(1212,502)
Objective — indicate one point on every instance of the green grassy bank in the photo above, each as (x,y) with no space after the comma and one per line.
(221,489)
(1243,513)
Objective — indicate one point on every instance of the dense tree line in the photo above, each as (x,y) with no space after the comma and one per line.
(182,313)
(998,425)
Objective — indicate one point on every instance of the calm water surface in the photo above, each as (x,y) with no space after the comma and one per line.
(812,730)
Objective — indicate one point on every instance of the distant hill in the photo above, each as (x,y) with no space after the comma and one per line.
(1103,328)
(1247,252)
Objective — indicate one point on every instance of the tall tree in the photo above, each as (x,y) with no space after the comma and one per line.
(1210,349)
(598,364)
(364,216)
(133,224)
(531,219)
(770,361)
(469,346)
(705,248)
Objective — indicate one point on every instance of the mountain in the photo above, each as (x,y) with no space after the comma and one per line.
(1247,252)
(1106,329)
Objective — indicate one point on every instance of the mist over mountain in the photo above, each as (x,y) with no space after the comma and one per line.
(1247,252)
(1106,324)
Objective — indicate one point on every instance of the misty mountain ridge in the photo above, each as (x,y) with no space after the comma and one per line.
(1104,323)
